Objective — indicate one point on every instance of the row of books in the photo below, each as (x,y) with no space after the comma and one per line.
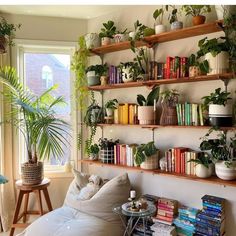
(126,113)
(189,114)
(114,74)
(177,160)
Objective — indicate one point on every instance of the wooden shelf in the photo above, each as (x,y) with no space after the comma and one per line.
(211,180)
(150,83)
(149,41)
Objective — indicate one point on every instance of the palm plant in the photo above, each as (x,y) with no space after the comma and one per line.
(45,135)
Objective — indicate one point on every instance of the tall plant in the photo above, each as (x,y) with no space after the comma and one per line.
(34,117)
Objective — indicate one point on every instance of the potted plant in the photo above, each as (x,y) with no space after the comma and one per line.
(94,150)
(137,34)
(110,106)
(7,33)
(120,36)
(158,15)
(204,165)
(169,99)
(220,111)
(197,12)
(222,152)
(147,107)
(173,18)
(129,71)
(197,68)
(94,73)
(92,40)
(216,53)
(107,32)
(147,156)
(45,135)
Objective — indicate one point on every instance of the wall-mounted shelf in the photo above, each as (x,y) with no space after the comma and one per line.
(161,81)
(211,180)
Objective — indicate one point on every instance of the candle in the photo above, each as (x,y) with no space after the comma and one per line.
(132,194)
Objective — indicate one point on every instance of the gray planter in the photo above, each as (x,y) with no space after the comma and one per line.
(93,80)
(176,25)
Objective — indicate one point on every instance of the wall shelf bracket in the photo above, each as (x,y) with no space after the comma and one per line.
(225,81)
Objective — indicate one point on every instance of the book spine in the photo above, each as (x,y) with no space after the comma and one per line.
(168,67)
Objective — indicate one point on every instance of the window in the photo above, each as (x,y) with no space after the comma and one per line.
(41,68)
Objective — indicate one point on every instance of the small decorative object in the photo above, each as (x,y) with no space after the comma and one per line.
(107,32)
(92,40)
(94,150)
(147,107)
(216,53)
(169,99)
(132,35)
(220,112)
(147,156)
(196,68)
(110,106)
(163,163)
(94,72)
(197,12)
(173,18)
(158,16)
(194,71)
(222,152)
(104,80)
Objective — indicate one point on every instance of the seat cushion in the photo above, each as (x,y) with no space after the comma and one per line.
(66,221)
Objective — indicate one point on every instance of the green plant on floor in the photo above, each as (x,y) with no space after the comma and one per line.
(45,135)
(144,151)
(203,158)
(151,98)
(196,10)
(203,65)
(111,104)
(100,70)
(108,30)
(158,14)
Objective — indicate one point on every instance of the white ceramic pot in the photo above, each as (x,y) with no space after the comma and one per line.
(127,76)
(93,156)
(204,172)
(218,64)
(194,71)
(176,25)
(120,38)
(132,34)
(160,29)
(224,172)
(92,40)
(105,41)
(229,9)
(151,163)
(109,112)
(146,115)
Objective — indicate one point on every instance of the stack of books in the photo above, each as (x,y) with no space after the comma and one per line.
(166,211)
(139,228)
(189,114)
(114,75)
(210,220)
(127,113)
(186,221)
(160,229)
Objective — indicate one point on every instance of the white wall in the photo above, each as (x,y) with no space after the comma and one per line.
(185,191)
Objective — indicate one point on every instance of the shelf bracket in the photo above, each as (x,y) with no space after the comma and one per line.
(102,58)
(154,47)
(225,81)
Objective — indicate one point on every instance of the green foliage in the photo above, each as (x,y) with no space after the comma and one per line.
(34,117)
(94,149)
(144,151)
(158,14)
(79,65)
(173,15)
(133,68)
(112,104)
(203,159)
(105,143)
(109,30)
(142,60)
(218,97)
(99,69)
(203,65)
(213,46)
(170,97)
(195,10)
(152,96)
(220,148)
(8,30)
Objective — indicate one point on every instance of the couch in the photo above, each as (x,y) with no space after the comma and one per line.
(88,217)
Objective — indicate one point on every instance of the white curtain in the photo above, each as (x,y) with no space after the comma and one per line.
(7,194)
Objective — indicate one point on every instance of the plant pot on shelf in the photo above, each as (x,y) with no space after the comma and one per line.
(3,45)
(132,35)
(127,75)
(107,155)
(198,20)
(92,40)
(220,115)
(120,38)
(168,115)
(105,41)
(146,115)
(92,78)
(204,172)
(151,162)
(224,172)
(176,25)
(160,29)
(218,64)
(93,156)
(194,71)
(32,173)
(110,112)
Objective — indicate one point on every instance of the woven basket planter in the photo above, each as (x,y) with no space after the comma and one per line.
(151,163)
(32,173)
(107,155)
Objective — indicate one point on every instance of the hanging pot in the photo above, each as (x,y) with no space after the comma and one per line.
(198,20)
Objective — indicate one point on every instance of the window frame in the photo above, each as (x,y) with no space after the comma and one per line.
(57,47)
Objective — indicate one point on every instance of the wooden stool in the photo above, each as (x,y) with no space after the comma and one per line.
(26,190)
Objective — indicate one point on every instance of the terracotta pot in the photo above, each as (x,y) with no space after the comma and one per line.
(145,115)
(194,71)
(198,20)
(105,41)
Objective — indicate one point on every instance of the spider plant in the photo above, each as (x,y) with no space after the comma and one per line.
(45,135)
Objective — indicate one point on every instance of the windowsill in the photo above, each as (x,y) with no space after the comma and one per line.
(58,174)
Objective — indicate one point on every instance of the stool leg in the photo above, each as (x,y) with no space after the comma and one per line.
(47,198)
(17,210)
(39,199)
(25,207)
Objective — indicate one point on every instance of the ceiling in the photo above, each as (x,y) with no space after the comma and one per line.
(67,11)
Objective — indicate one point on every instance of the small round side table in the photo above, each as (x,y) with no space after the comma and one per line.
(24,191)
